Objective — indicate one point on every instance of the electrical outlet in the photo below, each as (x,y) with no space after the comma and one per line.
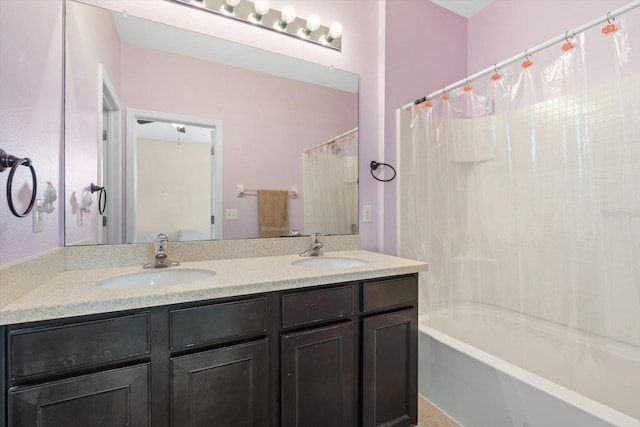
(231,214)
(366,213)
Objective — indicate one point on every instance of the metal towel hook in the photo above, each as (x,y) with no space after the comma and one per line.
(8,161)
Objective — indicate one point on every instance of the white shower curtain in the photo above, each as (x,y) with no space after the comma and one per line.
(330,178)
(522,192)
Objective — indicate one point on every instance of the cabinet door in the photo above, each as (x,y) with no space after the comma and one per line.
(227,387)
(318,377)
(115,398)
(389,364)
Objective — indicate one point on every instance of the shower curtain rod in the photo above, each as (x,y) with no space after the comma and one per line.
(527,52)
(335,138)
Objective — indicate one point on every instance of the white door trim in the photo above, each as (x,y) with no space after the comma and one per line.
(110,104)
(131,176)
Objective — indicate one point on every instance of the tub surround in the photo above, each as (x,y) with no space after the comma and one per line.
(73,292)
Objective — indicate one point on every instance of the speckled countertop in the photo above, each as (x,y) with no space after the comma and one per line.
(73,293)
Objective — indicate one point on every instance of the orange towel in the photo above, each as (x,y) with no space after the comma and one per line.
(273,209)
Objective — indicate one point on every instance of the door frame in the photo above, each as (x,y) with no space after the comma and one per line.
(133,115)
(111,107)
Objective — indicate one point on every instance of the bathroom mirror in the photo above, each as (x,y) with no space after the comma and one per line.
(140,95)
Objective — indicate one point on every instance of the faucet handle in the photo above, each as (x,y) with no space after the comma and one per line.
(315,237)
(161,242)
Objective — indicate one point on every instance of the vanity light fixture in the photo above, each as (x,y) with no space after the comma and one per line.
(312,24)
(261,8)
(259,13)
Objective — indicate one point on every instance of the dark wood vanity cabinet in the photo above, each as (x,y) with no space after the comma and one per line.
(340,355)
(318,370)
(71,374)
(389,352)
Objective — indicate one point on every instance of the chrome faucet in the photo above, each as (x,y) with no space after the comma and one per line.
(315,247)
(161,259)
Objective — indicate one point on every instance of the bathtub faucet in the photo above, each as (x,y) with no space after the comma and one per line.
(161,259)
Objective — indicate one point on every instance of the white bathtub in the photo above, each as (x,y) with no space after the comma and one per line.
(468,369)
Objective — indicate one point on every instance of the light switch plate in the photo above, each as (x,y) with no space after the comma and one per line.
(231,214)
(366,213)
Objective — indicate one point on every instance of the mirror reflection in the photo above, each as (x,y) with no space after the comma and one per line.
(173,123)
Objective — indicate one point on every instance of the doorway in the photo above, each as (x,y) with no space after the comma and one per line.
(174,177)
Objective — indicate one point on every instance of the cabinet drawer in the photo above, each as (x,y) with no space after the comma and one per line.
(318,305)
(49,350)
(388,293)
(217,322)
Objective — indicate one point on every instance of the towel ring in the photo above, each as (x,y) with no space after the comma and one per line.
(374,165)
(13,162)
(102,198)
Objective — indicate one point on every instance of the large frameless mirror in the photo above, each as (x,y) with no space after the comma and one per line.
(177,131)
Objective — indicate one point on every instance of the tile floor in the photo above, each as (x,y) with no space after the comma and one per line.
(430,416)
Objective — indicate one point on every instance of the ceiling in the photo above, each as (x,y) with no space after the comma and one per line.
(466,8)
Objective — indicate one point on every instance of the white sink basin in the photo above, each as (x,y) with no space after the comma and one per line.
(329,262)
(154,278)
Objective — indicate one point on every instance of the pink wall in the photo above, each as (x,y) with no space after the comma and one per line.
(506,28)
(425,49)
(31,41)
(94,41)
(259,151)
(30,117)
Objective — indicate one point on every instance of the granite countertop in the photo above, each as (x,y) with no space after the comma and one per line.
(73,293)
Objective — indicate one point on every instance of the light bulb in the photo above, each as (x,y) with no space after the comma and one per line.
(229,6)
(261,7)
(335,30)
(313,22)
(288,14)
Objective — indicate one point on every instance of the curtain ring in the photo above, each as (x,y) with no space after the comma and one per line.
(609,19)
(566,36)
(495,68)
(20,162)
